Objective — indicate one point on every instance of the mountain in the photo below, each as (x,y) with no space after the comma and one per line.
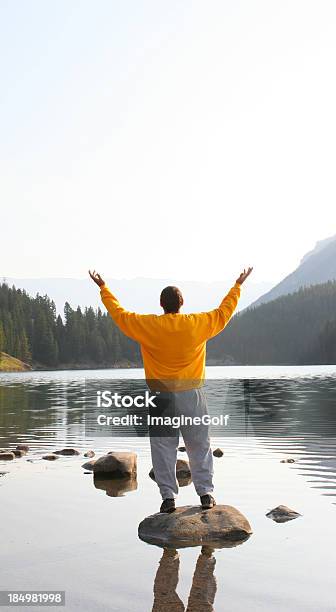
(138,294)
(317,266)
(321,244)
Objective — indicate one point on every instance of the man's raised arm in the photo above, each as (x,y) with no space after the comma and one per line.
(128,322)
(214,321)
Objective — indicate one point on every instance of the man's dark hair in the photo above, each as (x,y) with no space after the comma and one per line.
(171,299)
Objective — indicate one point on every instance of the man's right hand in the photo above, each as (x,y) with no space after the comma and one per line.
(97,278)
(244,276)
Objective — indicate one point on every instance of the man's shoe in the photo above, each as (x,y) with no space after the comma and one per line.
(168,505)
(207,501)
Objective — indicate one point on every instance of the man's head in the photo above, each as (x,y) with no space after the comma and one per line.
(171,300)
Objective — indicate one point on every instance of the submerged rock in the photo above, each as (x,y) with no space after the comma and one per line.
(89,453)
(282,514)
(119,464)
(67,452)
(290,460)
(183,473)
(7,456)
(222,526)
(218,452)
(50,457)
(23,447)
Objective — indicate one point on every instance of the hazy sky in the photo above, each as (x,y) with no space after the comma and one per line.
(166,139)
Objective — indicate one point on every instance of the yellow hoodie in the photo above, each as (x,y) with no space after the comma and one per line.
(173,346)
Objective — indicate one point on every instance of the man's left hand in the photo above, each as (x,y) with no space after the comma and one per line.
(97,278)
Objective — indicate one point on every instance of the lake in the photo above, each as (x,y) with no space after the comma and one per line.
(62,530)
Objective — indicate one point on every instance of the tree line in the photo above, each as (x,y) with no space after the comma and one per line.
(298,328)
(31,330)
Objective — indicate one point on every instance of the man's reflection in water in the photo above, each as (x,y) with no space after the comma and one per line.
(203,589)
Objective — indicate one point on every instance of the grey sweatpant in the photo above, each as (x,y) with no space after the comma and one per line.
(191,403)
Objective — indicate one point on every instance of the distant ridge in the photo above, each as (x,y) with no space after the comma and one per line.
(321,244)
(317,266)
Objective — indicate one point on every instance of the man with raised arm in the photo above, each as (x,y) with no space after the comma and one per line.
(173,348)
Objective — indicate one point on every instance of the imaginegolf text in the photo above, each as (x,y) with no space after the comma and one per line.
(175,422)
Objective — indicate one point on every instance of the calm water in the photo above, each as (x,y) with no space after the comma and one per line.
(62,530)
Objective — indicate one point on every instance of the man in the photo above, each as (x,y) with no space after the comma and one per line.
(173,347)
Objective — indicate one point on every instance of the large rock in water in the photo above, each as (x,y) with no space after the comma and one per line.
(116,464)
(221,527)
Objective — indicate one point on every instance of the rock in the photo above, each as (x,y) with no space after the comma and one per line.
(19,453)
(282,514)
(115,487)
(183,480)
(7,456)
(67,452)
(23,447)
(287,460)
(218,452)
(183,468)
(119,464)
(89,453)
(88,465)
(50,457)
(3,473)
(222,526)
(182,449)
(183,473)
(16,452)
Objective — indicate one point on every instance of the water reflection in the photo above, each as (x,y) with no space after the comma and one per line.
(203,588)
(115,487)
(292,416)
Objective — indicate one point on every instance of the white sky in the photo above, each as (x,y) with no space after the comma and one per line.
(166,139)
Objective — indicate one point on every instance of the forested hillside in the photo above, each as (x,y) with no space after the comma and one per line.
(299,328)
(31,331)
